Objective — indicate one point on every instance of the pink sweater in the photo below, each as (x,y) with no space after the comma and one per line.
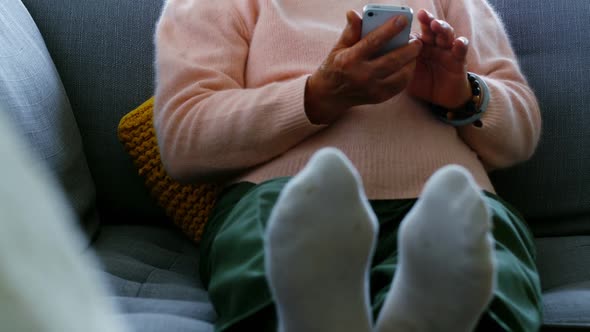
(231,79)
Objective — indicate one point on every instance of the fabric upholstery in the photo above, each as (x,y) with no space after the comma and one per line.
(153,274)
(563,261)
(32,94)
(564,267)
(104,53)
(568,305)
(550,42)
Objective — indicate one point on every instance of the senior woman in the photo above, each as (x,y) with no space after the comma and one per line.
(249,90)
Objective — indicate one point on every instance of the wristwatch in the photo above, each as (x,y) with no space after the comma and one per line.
(472,112)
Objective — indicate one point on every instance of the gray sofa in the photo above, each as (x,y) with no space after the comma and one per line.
(103,52)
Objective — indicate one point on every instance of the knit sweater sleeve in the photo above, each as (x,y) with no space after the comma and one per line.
(512,122)
(208,124)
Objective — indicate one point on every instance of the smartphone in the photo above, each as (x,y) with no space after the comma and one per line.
(375,15)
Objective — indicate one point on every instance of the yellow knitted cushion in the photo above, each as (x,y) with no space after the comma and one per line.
(188,205)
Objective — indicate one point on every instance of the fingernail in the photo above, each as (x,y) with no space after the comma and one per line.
(465,41)
(401,21)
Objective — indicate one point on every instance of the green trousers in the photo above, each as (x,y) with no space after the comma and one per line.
(232,261)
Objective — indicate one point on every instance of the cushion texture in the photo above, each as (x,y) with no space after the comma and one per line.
(563,261)
(564,267)
(188,205)
(568,306)
(32,93)
(551,43)
(104,52)
(153,272)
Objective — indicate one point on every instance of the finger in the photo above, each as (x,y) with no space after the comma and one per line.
(460,49)
(399,80)
(418,36)
(425,19)
(352,32)
(377,38)
(424,16)
(445,33)
(394,61)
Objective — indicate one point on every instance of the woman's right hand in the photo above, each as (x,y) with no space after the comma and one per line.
(352,76)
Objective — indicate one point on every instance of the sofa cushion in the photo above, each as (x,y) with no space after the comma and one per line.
(104,52)
(568,306)
(563,261)
(153,272)
(550,40)
(32,94)
(564,267)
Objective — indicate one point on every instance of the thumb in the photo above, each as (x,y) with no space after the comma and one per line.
(352,32)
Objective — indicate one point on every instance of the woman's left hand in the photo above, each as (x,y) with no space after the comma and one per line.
(441,69)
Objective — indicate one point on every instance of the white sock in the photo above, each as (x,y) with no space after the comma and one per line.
(47,283)
(446,267)
(319,243)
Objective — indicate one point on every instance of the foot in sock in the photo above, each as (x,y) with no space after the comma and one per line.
(47,283)
(319,242)
(446,269)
